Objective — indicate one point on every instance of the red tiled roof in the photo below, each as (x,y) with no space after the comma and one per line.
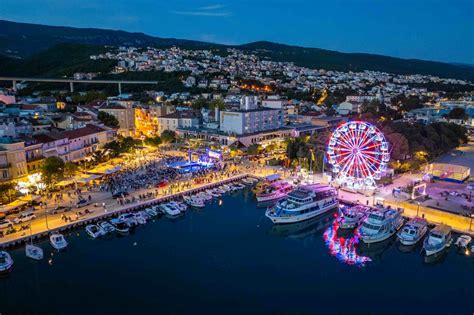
(84,131)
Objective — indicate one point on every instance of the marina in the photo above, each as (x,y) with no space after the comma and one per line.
(208,256)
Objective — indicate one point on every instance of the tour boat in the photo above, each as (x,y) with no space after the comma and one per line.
(34,252)
(106,227)
(170,210)
(353,216)
(151,212)
(413,231)
(380,224)
(94,231)
(274,192)
(6,262)
(463,242)
(194,202)
(438,239)
(58,241)
(303,203)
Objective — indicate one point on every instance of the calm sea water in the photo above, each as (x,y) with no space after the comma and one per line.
(228,258)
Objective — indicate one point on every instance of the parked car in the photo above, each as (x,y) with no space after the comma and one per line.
(24,217)
(5,223)
(120,194)
(60,209)
(82,203)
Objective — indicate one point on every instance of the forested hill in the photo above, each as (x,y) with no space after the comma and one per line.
(30,41)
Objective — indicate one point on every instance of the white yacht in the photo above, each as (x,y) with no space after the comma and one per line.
(6,262)
(303,203)
(106,227)
(58,241)
(381,224)
(194,202)
(438,239)
(94,231)
(353,216)
(413,231)
(34,252)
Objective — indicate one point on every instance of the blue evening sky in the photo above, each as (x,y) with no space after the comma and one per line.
(426,29)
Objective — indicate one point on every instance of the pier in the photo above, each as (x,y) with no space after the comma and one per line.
(99,214)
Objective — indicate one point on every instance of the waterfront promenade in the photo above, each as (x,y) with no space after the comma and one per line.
(43,225)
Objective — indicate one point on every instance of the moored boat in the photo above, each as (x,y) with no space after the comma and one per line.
(353,216)
(413,231)
(380,224)
(194,202)
(6,262)
(106,227)
(34,252)
(58,241)
(463,242)
(94,231)
(275,191)
(151,212)
(303,203)
(438,239)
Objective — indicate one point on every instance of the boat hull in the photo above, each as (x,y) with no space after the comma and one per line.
(301,217)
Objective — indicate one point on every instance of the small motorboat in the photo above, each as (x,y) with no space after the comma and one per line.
(139,218)
(413,231)
(204,196)
(170,210)
(151,212)
(94,231)
(463,242)
(239,186)
(106,227)
(179,205)
(438,239)
(225,187)
(353,217)
(34,252)
(213,193)
(195,202)
(6,262)
(120,227)
(58,241)
(247,181)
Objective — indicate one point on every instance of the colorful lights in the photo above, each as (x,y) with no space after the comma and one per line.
(358,153)
(344,249)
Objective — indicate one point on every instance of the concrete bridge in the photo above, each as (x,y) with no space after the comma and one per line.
(71,82)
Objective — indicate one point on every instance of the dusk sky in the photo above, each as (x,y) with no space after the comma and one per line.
(423,29)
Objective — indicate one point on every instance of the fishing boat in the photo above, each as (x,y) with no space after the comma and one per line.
(34,252)
(413,231)
(353,216)
(94,231)
(58,241)
(106,227)
(380,224)
(275,191)
(303,203)
(6,262)
(463,242)
(438,239)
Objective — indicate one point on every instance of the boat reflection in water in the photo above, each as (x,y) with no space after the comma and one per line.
(343,247)
(305,228)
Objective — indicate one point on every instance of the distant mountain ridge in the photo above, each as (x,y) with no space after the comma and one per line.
(24,40)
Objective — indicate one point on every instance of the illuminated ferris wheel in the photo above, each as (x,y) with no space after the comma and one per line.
(358,154)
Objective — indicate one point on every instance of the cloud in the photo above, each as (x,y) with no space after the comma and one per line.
(209,10)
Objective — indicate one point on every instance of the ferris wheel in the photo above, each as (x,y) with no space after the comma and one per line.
(358,154)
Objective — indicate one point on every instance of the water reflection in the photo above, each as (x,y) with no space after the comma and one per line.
(303,229)
(343,246)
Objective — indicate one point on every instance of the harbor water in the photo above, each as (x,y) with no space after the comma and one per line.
(228,258)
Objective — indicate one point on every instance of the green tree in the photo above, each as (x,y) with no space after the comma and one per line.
(254,149)
(153,141)
(168,136)
(108,119)
(7,192)
(218,103)
(52,170)
(70,169)
(200,103)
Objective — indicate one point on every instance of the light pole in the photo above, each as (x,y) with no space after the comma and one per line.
(418,209)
